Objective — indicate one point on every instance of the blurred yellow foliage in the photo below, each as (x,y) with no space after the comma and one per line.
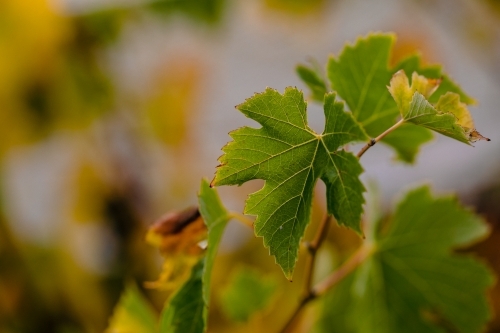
(169,109)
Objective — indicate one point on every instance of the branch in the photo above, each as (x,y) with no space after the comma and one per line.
(372,142)
(313,247)
(331,281)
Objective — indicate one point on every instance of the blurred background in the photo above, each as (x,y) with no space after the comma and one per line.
(111,111)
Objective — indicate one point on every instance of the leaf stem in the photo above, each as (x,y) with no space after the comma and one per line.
(356,259)
(372,142)
(241,218)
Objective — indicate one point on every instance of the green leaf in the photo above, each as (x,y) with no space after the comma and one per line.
(313,79)
(216,217)
(360,75)
(414,282)
(248,292)
(133,314)
(187,311)
(290,157)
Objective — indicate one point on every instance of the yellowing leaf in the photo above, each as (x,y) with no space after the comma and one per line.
(424,85)
(450,102)
(179,237)
(187,311)
(402,91)
(449,116)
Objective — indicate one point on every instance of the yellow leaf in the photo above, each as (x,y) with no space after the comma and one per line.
(402,92)
(450,102)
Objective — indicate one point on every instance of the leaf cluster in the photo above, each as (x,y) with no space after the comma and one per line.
(291,157)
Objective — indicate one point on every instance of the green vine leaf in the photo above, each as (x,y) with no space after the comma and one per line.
(313,79)
(414,282)
(290,157)
(187,311)
(360,75)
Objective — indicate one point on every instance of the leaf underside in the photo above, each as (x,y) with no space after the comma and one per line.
(290,157)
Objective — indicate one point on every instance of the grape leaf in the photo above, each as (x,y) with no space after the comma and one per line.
(448,116)
(132,314)
(414,282)
(360,75)
(290,157)
(184,313)
(248,292)
(187,311)
(313,79)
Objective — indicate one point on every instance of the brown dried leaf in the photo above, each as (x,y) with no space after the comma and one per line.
(178,236)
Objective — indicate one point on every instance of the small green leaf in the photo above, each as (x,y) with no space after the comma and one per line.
(187,311)
(248,292)
(133,314)
(290,156)
(313,79)
(414,282)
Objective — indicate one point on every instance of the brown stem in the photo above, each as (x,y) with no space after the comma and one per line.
(328,283)
(372,142)
(313,247)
